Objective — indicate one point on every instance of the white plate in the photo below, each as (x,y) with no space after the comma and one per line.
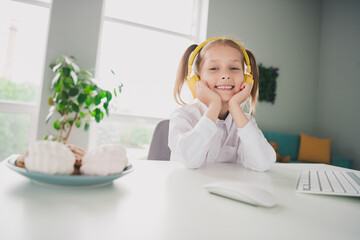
(65,180)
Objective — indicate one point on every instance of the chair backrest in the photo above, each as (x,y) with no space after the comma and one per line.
(159,149)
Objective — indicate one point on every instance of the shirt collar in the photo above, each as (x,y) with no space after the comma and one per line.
(228,120)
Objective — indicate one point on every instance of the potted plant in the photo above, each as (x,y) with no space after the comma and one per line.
(76,99)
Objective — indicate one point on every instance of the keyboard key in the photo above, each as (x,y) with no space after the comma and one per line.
(304,182)
(354,177)
(344,182)
(325,185)
(314,181)
(334,182)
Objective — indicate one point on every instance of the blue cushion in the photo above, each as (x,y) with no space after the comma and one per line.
(288,143)
(341,162)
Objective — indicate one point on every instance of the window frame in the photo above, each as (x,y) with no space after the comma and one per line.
(198,34)
(19,107)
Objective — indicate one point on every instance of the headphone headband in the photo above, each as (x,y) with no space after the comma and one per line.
(201,45)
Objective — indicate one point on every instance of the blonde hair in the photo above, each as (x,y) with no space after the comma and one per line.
(182,71)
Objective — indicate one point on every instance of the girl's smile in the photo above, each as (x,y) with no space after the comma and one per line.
(224,87)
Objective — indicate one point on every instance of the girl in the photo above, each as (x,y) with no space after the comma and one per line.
(214,128)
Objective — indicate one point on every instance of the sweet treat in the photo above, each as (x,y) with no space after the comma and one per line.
(79,154)
(49,157)
(20,161)
(104,160)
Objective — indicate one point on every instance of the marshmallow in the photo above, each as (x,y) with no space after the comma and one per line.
(104,160)
(49,157)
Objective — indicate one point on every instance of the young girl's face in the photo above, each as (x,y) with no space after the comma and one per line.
(222,70)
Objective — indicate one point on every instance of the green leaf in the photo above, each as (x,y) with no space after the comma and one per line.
(97,118)
(54,80)
(74,77)
(51,112)
(57,124)
(81,98)
(75,107)
(73,92)
(103,94)
(60,59)
(88,90)
(88,101)
(68,83)
(78,123)
(56,67)
(87,125)
(70,120)
(115,92)
(73,58)
(95,112)
(108,96)
(60,107)
(66,71)
(64,95)
(67,59)
(105,105)
(75,66)
(97,100)
(51,101)
(59,86)
(112,72)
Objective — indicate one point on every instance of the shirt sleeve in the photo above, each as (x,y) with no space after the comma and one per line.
(254,150)
(189,140)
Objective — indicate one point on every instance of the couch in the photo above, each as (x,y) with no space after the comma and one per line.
(289,146)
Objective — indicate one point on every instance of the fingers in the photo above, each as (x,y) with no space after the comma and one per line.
(242,86)
(246,85)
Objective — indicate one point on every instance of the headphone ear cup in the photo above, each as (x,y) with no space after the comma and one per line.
(191,81)
(248,78)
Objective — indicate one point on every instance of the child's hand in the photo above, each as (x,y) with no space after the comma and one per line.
(234,103)
(240,97)
(206,95)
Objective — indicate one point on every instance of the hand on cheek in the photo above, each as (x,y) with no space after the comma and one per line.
(242,95)
(205,94)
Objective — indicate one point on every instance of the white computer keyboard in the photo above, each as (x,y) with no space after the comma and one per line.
(330,182)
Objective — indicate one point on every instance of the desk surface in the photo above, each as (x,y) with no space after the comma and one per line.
(164,200)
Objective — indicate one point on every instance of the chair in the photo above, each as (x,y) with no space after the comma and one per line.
(159,149)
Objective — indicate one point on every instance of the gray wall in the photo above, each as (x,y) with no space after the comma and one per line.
(338,110)
(74,29)
(314,44)
(283,34)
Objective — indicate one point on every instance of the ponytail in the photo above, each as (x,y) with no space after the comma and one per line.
(255,89)
(182,73)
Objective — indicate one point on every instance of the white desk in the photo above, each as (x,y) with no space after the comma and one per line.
(164,200)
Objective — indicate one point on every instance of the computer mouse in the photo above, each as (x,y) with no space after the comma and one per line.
(242,192)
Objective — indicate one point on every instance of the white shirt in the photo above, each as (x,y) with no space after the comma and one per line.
(194,139)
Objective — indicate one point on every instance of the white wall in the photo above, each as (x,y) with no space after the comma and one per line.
(338,110)
(74,30)
(283,34)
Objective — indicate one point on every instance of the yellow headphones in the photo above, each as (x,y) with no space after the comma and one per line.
(192,79)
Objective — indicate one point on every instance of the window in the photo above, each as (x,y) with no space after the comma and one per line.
(142,42)
(23,34)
